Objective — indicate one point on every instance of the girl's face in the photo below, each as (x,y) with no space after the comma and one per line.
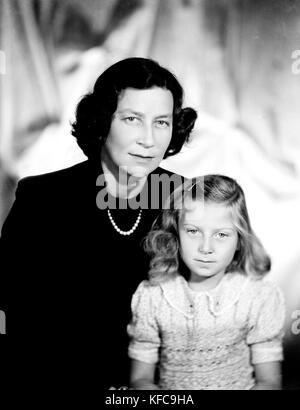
(208,240)
(141,130)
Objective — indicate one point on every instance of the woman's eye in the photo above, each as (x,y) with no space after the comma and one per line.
(162,124)
(131,120)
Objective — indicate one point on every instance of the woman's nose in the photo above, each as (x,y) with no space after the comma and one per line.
(146,138)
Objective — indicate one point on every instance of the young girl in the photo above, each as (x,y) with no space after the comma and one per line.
(205,316)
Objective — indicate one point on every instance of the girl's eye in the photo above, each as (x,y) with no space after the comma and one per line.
(192,231)
(162,124)
(222,235)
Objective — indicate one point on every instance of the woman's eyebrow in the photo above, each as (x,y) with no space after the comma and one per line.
(140,114)
(164,116)
(127,110)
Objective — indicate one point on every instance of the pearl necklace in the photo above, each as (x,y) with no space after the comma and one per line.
(125,233)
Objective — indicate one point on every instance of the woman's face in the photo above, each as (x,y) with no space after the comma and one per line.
(141,130)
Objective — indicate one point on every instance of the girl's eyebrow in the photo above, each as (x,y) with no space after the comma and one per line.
(215,229)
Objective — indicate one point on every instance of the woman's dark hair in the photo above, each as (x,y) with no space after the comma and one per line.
(94,111)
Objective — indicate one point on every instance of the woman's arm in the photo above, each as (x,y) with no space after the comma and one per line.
(142,376)
(267,376)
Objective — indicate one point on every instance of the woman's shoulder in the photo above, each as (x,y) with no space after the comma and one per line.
(62,183)
(162,171)
(62,174)
(163,174)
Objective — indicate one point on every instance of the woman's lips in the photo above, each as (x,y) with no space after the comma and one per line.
(142,158)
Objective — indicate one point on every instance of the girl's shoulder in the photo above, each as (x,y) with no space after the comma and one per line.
(264,287)
(267,310)
(146,289)
(152,287)
(149,296)
(254,284)
(258,291)
(249,288)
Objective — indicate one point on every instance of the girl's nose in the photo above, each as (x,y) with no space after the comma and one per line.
(205,245)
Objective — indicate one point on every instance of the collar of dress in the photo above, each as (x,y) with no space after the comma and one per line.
(223,297)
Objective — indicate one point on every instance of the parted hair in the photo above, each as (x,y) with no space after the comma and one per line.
(95,110)
(162,242)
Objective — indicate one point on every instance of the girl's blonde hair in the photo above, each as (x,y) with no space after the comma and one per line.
(162,242)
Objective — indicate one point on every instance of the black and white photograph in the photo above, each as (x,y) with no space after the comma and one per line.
(150,196)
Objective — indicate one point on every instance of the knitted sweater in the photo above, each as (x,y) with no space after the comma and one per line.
(207,340)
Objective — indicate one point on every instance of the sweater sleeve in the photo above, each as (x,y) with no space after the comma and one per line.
(266,324)
(143,329)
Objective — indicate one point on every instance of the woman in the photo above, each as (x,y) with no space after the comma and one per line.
(75,265)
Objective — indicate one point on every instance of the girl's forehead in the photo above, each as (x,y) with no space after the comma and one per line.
(201,211)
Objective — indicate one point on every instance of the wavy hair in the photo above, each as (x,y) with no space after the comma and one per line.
(162,242)
(95,110)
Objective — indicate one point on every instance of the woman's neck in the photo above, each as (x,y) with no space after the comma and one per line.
(118,182)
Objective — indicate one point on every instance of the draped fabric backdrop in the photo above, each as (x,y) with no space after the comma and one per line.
(235,61)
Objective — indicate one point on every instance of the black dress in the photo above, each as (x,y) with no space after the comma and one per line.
(67,277)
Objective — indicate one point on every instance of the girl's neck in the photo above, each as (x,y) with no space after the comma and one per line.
(200,284)
(118,182)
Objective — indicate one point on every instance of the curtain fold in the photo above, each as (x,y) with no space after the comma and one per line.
(29,96)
